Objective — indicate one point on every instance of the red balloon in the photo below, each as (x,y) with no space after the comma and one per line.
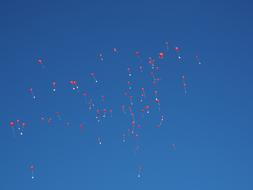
(161,55)
(12,123)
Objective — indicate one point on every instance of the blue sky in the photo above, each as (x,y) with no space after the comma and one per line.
(211,126)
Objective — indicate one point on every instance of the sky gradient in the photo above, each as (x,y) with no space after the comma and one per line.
(211,126)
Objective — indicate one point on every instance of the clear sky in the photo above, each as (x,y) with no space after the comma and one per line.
(205,140)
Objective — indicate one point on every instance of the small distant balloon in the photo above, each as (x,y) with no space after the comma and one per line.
(161,55)
(32,169)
